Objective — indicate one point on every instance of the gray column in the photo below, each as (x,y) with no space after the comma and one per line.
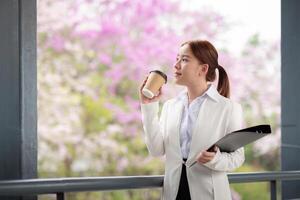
(290,95)
(18,90)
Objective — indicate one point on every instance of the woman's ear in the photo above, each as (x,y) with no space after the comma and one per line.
(204,68)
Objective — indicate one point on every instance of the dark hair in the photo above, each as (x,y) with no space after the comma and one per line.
(206,53)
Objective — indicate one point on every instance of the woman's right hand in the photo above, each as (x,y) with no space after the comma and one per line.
(144,99)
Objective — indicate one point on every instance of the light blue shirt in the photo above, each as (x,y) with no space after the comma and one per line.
(189,116)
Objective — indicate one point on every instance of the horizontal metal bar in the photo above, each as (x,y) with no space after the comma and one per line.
(55,185)
(84,184)
(263,176)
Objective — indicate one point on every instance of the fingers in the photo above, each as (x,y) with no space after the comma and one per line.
(206,156)
(156,97)
(159,93)
(203,160)
(142,86)
(216,148)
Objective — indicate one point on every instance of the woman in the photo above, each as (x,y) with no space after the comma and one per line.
(191,123)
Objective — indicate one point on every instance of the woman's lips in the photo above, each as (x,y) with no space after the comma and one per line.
(176,74)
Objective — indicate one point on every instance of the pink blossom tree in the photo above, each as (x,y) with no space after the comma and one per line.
(92,57)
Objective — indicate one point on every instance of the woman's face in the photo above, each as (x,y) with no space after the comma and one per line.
(187,69)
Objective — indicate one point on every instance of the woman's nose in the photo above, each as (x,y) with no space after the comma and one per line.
(177,64)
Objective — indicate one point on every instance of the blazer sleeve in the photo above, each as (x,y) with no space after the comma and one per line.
(230,161)
(154,127)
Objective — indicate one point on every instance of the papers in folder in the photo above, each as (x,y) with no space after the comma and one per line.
(240,138)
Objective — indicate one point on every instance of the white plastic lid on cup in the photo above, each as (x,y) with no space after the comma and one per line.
(147,93)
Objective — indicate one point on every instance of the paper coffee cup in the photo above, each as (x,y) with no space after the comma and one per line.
(154,82)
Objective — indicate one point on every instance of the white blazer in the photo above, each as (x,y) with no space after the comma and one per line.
(217,116)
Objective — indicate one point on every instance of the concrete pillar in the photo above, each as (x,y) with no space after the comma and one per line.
(18,91)
(290,95)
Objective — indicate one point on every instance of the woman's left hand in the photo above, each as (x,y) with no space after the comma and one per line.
(206,156)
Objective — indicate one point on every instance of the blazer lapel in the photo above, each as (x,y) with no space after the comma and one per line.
(202,130)
(174,126)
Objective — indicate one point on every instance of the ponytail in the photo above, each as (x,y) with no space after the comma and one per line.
(223,84)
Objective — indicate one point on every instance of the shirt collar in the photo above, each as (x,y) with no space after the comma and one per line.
(211,92)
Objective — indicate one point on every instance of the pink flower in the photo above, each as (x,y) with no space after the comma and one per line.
(57,43)
(105,59)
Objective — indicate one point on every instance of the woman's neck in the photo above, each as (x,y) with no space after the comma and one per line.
(196,91)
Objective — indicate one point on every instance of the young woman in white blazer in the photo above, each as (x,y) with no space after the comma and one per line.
(190,123)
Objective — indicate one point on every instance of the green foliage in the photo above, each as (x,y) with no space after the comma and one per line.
(250,191)
(96,116)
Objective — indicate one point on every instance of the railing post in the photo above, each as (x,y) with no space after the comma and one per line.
(60,196)
(273,190)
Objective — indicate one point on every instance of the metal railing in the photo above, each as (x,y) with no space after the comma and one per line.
(60,186)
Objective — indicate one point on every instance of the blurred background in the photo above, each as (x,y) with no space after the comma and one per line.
(94,54)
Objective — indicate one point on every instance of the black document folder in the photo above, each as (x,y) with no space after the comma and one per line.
(240,138)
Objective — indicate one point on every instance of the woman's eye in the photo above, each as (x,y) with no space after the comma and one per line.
(184,60)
